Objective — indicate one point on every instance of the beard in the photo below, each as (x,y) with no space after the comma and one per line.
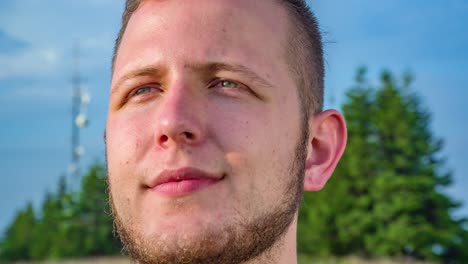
(239,242)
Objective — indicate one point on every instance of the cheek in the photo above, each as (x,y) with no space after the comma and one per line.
(124,137)
(259,132)
(234,127)
(258,145)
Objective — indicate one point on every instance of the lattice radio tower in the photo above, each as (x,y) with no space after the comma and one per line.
(80,102)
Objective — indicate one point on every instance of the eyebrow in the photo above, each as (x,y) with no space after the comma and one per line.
(142,72)
(206,68)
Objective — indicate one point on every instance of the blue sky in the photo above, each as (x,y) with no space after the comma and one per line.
(427,38)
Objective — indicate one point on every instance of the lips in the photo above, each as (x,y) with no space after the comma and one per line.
(180,182)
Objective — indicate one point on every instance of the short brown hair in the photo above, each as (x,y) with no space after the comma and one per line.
(304,54)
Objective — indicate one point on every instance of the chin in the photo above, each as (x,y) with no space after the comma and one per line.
(188,221)
(188,235)
(167,240)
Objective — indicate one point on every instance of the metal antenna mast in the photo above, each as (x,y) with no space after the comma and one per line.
(80,101)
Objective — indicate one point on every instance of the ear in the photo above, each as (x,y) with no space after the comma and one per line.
(327,141)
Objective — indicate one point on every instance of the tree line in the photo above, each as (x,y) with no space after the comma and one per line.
(386,196)
(385,199)
(69,224)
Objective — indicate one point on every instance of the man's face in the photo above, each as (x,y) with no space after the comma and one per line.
(205,146)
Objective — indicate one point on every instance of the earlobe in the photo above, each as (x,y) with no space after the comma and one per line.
(326,145)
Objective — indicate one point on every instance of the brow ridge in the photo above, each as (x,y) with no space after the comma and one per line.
(212,67)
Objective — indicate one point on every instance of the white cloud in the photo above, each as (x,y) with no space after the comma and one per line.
(34,62)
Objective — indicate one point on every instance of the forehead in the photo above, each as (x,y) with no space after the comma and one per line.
(240,15)
(234,31)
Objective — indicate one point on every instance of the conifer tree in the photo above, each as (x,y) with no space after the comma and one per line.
(70,224)
(385,196)
(94,214)
(19,236)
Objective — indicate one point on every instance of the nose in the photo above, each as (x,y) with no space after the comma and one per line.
(181,115)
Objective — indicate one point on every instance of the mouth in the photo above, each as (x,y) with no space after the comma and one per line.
(181,182)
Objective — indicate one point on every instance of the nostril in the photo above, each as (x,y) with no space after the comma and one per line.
(188,135)
(163,138)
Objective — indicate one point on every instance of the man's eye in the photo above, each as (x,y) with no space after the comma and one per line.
(144,89)
(226,84)
(229,87)
(138,95)
(229,84)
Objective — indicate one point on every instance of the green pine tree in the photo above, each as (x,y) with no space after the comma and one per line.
(19,236)
(94,214)
(70,224)
(51,231)
(385,198)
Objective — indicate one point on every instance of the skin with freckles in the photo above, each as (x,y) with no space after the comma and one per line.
(201,94)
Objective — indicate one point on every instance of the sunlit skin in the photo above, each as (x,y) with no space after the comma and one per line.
(205,84)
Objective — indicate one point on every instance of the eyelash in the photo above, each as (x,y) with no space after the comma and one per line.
(219,83)
(222,81)
(135,92)
(213,84)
